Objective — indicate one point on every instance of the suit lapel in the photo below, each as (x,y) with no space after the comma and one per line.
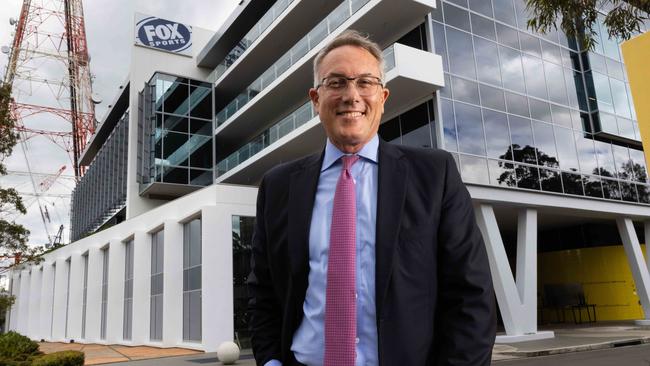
(302,190)
(393,175)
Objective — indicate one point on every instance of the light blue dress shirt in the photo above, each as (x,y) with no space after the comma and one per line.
(309,341)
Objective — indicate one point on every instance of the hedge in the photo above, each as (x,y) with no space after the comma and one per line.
(63,358)
(16,347)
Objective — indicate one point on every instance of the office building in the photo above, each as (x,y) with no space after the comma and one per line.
(545,136)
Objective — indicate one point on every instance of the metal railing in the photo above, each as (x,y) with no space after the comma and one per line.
(339,15)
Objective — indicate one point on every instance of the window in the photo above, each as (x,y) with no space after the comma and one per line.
(127,325)
(157,277)
(68,267)
(242,237)
(102,333)
(192,281)
(85,297)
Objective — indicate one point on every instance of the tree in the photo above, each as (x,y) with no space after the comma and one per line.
(578,18)
(13,237)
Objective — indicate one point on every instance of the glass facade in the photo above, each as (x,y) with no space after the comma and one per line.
(176,131)
(157,277)
(523,110)
(608,88)
(242,240)
(101,191)
(192,281)
(127,323)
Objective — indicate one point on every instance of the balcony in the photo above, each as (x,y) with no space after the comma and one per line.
(273,35)
(289,78)
(411,74)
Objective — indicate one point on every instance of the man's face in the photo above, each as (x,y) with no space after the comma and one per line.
(350,119)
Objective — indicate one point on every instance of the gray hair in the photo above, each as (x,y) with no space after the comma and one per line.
(350,37)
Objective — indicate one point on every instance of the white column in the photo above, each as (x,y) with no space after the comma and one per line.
(216,277)
(646,227)
(94,295)
(173,284)
(115,306)
(59,305)
(517,300)
(75,300)
(23,302)
(141,286)
(12,313)
(637,265)
(35,303)
(47,303)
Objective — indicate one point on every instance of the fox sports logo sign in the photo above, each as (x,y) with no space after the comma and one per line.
(163,34)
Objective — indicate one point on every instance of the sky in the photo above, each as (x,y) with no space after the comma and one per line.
(109,26)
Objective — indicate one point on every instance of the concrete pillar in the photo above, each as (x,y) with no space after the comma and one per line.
(173,284)
(94,295)
(34,331)
(59,304)
(217,296)
(14,288)
(115,308)
(47,301)
(638,265)
(22,302)
(517,300)
(141,287)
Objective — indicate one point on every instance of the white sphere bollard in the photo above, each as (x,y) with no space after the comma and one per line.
(228,353)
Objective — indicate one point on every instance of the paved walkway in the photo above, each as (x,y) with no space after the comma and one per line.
(568,338)
(98,353)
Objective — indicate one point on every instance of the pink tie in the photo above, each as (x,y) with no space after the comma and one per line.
(340,302)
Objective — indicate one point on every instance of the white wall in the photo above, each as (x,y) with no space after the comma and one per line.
(216,205)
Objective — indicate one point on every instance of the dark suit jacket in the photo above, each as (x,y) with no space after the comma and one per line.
(434,295)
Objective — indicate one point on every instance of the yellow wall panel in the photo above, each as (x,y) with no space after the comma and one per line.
(605,276)
(636,53)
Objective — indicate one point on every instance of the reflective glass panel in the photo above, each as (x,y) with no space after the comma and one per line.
(566,149)
(545,144)
(464,90)
(511,69)
(470,129)
(487,60)
(522,140)
(586,153)
(456,17)
(461,56)
(483,27)
(592,186)
(502,173)
(498,136)
(535,81)
(492,97)
(474,169)
(550,180)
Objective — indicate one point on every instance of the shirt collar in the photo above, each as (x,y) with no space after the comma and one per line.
(332,153)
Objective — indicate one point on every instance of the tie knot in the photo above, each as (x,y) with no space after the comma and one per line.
(349,160)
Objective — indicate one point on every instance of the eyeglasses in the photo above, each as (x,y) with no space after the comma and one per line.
(366,85)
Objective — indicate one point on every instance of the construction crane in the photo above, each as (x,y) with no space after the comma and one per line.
(50,179)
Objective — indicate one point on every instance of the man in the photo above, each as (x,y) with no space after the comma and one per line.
(367,253)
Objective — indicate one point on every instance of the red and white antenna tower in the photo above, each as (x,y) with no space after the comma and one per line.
(53,31)
(49,72)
